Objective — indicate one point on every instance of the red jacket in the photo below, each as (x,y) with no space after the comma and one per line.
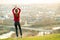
(16,19)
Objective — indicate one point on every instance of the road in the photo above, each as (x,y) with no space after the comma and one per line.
(30,28)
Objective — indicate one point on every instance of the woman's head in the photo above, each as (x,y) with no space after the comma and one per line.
(16,10)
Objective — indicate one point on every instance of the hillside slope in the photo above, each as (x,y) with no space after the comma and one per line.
(46,37)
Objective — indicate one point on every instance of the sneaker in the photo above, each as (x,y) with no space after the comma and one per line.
(16,38)
(21,36)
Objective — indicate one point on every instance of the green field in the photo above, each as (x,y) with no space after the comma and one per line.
(46,37)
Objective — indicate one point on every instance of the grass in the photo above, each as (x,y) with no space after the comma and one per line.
(46,37)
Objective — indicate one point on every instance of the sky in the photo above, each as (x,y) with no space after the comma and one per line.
(28,1)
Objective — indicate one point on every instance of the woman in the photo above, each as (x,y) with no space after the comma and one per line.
(16,13)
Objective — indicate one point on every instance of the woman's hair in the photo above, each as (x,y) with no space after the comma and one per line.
(16,10)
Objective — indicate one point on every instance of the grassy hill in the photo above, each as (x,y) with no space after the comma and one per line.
(46,37)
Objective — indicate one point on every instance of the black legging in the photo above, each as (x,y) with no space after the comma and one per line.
(18,24)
